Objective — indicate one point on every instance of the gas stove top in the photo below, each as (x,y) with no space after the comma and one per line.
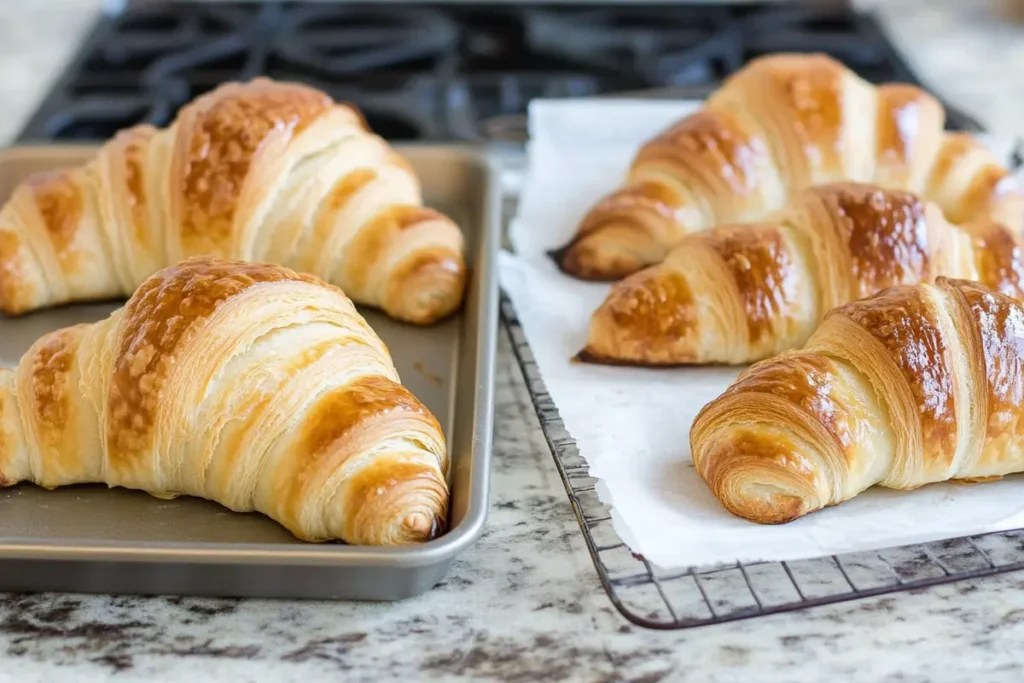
(437,72)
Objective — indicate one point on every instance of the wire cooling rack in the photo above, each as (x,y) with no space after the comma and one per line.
(694,597)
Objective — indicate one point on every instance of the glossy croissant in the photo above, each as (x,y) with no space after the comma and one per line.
(779,125)
(246,384)
(256,171)
(918,384)
(741,293)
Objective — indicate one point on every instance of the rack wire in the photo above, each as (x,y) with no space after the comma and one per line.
(695,597)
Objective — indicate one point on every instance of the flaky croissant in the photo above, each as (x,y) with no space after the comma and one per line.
(246,384)
(256,171)
(741,293)
(918,384)
(779,125)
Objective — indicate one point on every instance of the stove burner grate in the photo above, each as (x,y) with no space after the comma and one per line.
(435,72)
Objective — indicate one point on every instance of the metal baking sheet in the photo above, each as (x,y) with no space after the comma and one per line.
(95,539)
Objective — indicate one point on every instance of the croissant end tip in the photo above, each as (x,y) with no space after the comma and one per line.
(431,290)
(584,356)
(558,255)
(581,261)
(422,526)
(610,251)
(588,356)
(757,476)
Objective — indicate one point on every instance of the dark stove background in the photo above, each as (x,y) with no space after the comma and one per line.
(438,72)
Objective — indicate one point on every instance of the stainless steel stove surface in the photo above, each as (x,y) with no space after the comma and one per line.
(437,72)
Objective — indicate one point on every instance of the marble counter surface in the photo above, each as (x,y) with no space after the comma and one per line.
(524,604)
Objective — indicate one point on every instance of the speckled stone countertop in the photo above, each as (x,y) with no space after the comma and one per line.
(524,604)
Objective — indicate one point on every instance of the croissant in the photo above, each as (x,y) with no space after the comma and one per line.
(255,171)
(918,384)
(779,125)
(246,384)
(741,293)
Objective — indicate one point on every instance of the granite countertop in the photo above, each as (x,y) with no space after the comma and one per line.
(524,603)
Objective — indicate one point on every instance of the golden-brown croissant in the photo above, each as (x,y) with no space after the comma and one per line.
(741,293)
(246,384)
(256,171)
(918,384)
(779,125)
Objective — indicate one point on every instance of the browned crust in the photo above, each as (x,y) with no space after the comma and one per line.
(220,134)
(163,315)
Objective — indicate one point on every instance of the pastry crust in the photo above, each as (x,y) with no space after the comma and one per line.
(915,385)
(742,293)
(779,125)
(260,171)
(244,383)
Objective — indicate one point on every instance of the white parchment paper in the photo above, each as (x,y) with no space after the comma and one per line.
(632,425)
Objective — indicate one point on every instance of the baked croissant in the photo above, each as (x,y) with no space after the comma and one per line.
(741,293)
(779,125)
(256,171)
(918,384)
(246,384)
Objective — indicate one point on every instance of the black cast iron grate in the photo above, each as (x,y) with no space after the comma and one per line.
(694,597)
(436,71)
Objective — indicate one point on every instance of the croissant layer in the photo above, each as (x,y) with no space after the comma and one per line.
(260,171)
(742,293)
(915,385)
(247,384)
(779,125)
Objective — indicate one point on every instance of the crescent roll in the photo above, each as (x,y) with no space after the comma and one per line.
(918,384)
(740,293)
(246,384)
(256,171)
(781,124)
